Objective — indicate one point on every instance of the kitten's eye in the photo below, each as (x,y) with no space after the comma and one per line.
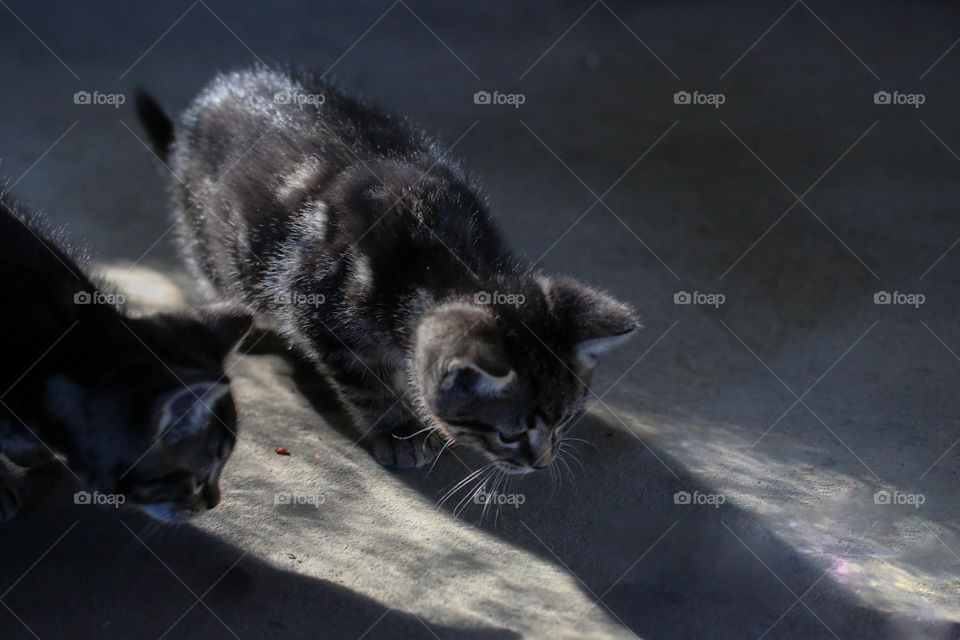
(511,437)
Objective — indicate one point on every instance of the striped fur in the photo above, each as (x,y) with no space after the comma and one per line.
(349,231)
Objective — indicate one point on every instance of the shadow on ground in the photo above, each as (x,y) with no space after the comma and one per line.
(657,566)
(71,571)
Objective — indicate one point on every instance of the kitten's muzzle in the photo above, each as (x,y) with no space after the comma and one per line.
(513,468)
(541,449)
(211,496)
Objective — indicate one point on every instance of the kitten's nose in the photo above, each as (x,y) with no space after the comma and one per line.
(211,496)
(541,451)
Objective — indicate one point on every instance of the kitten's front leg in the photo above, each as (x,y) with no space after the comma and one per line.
(407,447)
(395,437)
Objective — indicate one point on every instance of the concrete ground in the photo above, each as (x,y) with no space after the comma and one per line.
(810,431)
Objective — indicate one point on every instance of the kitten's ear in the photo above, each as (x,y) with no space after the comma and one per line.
(476,377)
(228,324)
(186,411)
(459,356)
(214,329)
(599,322)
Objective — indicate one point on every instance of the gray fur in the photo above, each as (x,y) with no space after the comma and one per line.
(337,201)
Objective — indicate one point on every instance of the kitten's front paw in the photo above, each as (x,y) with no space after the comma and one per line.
(405,453)
(9,502)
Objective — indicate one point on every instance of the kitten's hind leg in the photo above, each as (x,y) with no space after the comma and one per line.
(9,497)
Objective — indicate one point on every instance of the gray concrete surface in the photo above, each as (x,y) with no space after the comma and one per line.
(796,401)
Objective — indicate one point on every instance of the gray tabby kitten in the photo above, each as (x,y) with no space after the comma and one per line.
(134,407)
(375,257)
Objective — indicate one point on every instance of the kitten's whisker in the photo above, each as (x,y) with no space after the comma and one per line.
(500,487)
(490,494)
(493,483)
(472,475)
(439,453)
(553,482)
(564,445)
(572,448)
(574,455)
(450,493)
(583,469)
(569,452)
(559,476)
(460,484)
(470,494)
(580,440)
(567,467)
(431,427)
(506,489)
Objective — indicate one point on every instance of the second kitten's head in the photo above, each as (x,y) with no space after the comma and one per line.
(154,420)
(508,371)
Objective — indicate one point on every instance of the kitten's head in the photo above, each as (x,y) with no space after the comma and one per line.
(158,424)
(507,372)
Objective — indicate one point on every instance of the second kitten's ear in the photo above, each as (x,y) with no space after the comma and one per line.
(598,321)
(215,330)
(228,325)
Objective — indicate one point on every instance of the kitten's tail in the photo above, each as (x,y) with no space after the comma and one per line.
(159,127)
